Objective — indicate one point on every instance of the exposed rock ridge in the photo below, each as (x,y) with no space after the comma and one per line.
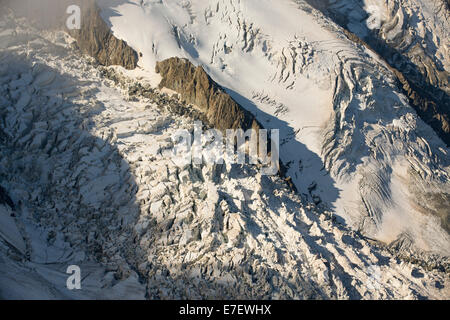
(196,87)
(96,39)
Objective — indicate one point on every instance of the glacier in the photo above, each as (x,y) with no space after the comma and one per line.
(86,163)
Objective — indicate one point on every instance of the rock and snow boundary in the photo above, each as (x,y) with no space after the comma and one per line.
(349,137)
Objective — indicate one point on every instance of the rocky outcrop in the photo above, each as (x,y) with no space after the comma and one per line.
(215,105)
(94,38)
(196,87)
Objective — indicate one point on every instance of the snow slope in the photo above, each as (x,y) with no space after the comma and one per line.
(349,137)
(85,158)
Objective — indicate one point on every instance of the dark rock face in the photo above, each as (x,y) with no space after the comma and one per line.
(196,87)
(94,38)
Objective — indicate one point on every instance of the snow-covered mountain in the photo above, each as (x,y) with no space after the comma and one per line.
(87,176)
(349,136)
